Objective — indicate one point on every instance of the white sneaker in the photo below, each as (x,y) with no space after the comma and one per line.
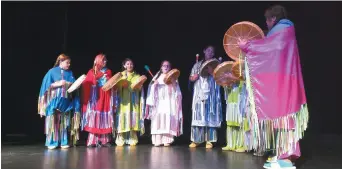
(65,147)
(272,166)
(279,164)
(51,147)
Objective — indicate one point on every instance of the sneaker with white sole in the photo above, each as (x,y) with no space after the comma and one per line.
(279,164)
(51,147)
(65,146)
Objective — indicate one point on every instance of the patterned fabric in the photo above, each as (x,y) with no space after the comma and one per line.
(58,106)
(159,139)
(130,110)
(276,89)
(55,98)
(130,107)
(206,104)
(130,138)
(196,68)
(237,124)
(206,108)
(164,108)
(98,107)
(56,126)
(94,139)
(203,134)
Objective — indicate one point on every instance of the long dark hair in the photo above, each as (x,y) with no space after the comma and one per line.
(124,62)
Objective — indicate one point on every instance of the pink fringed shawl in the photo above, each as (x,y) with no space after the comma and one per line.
(278,92)
(275,74)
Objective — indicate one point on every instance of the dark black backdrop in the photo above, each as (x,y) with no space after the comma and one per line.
(35,33)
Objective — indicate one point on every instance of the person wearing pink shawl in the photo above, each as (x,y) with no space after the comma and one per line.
(276,89)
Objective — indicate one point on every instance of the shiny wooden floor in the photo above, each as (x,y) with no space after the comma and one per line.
(323,153)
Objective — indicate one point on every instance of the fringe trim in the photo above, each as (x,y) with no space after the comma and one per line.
(235,138)
(253,119)
(55,124)
(179,113)
(96,120)
(169,92)
(75,127)
(137,103)
(50,94)
(142,112)
(276,132)
(233,115)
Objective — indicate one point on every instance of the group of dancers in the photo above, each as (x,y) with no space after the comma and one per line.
(266,109)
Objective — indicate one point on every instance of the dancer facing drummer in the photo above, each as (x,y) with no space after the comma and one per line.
(283,111)
(97,105)
(206,104)
(57,104)
(130,106)
(164,108)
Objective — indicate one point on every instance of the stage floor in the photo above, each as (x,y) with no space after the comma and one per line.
(323,153)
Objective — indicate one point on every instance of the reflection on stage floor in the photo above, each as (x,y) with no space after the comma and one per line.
(317,153)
